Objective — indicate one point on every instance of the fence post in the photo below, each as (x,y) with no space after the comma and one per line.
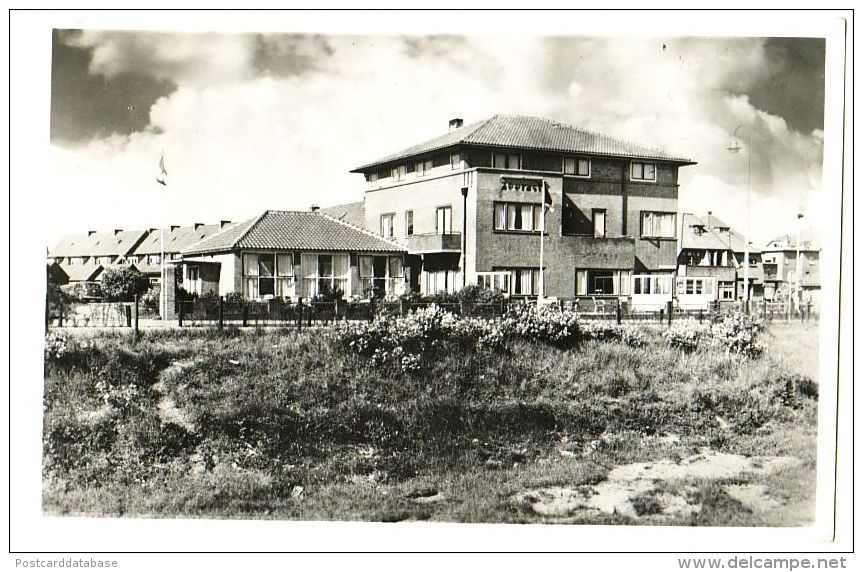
(136,317)
(300,313)
(661,315)
(180,313)
(128,311)
(700,315)
(618,312)
(221,312)
(60,315)
(372,309)
(245,314)
(401,307)
(669,305)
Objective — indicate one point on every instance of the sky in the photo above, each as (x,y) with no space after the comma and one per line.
(248,122)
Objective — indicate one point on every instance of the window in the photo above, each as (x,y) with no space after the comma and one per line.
(154,259)
(440,281)
(695,286)
(443,224)
(726,290)
(576,166)
(652,284)
(323,273)
(522,281)
(268,274)
(493,280)
(194,283)
(132,260)
(643,171)
(373,179)
(409,223)
(424,167)
(517,217)
(399,172)
(455,161)
(658,224)
(506,161)
(387,225)
(602,282)
(598,218)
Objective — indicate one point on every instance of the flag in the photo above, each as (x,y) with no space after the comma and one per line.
(163,174)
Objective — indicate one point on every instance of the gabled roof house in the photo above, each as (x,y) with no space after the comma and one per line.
(293,254)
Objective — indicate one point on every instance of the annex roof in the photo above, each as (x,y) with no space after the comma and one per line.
(532,133)
(294,230)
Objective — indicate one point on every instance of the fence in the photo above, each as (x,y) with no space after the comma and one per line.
(279,312)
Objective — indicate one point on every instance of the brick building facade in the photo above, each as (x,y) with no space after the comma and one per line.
(468,207)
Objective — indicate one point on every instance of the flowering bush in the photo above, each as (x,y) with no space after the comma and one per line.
(735,333)
(738,333)
(544,323)
(57,344)
(686,334)
(404,342)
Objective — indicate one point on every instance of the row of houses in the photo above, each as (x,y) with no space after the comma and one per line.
(523,204)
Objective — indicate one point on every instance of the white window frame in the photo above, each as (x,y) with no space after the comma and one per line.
(535,217)
(646,214)
(284,282)
(424,168)
(392,218)
(593,219)
(409,223)
(437,223)
(642,179)
(576,161)
(399,172)
(310,289)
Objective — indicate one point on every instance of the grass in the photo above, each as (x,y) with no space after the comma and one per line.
(288,425)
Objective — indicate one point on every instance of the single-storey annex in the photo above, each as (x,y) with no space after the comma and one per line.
(292,254)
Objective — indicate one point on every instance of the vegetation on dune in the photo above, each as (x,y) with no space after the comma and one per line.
(274,415)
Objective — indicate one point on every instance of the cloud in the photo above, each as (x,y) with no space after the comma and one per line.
(278,121)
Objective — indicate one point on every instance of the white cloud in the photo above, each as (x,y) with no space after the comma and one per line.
(237,142)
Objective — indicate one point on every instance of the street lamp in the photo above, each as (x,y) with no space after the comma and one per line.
(798,267)
(734,148)
(543,208)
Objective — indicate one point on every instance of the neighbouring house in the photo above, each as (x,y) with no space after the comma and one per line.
(95,248)
(780,267)
(147,257)
(83,257)
(292,254)
(468,207)
(710,265)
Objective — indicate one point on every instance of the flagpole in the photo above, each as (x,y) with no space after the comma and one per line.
(541,246)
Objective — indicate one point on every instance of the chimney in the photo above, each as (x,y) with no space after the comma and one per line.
(314,208)
(455,123)
(91,232)
(709,215)
(174,227)
(198,225)
(224,223)
(117,231)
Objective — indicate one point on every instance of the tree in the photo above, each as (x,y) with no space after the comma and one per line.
(121,284)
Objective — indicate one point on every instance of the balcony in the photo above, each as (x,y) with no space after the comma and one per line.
(433,242)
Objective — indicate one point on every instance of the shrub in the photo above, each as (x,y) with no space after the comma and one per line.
(548,324)
(686,334)
(121,284)
(738,333)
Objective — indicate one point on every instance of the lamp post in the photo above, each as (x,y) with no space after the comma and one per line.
(734,148)
(798,267)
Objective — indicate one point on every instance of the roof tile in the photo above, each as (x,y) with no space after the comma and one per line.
(532,133)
